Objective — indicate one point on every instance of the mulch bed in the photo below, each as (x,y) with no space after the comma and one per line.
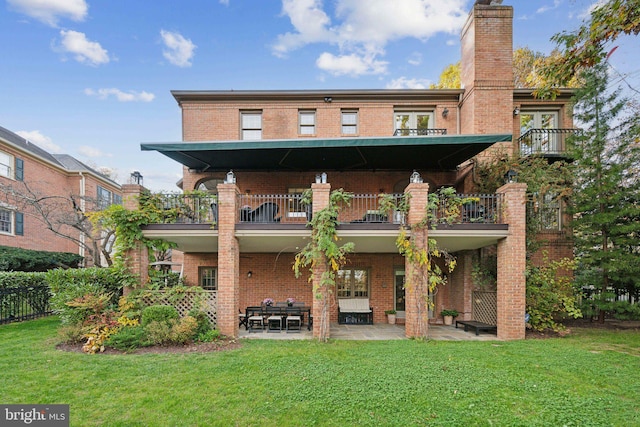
(221,344)
(585,323)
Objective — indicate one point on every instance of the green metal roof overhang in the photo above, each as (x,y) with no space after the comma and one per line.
(441,152)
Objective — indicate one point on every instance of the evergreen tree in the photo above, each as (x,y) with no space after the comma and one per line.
(606,191)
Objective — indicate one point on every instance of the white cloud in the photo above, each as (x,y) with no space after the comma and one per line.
(352,64)
(546,8)
(131,96)
(415,58)
(178,50)
(362,29)
(406,83)
(40,140)
(85,51)
(224,2)
(51,11)
(92,152)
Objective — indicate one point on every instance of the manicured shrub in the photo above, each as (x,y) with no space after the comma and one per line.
(18,259)
(159,313)
(184,330)
(129,338)
(158,333)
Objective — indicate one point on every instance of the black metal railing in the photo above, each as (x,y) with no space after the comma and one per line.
(419,132)
(272,208)
(469,209)
(545,141)
(24,303)
(188,208)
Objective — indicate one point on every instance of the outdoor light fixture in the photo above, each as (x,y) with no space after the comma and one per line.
(516,111)
(323,177)
(328,99)
(415,178)
(445,112)
(510,176)
(249,274)
(136,178)
(318,178)
(231,178)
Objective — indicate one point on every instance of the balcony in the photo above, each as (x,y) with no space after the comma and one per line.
(545,142)
(419,132)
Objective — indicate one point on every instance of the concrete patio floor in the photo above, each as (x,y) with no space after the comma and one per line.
(380,331)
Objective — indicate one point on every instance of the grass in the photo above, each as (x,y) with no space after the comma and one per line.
(587,379)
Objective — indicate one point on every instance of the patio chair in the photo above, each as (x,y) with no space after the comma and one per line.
(294,320)
(256,322)
(243,320)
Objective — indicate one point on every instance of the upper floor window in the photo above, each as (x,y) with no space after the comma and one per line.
(546,211)
(350,122)
(352,283)
(106,198)
(251,124)
(11,222)
(11,167)
(413,122)
(307,121)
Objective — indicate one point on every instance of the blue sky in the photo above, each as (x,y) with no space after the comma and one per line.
(93,78)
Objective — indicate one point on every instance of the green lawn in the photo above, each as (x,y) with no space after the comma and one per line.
(591,378)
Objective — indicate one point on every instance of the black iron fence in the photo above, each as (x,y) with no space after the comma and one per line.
(545,141)
(24,303)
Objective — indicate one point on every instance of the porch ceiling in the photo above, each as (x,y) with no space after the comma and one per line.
(437,152)
(288,241)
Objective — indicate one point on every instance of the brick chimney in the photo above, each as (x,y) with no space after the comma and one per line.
(486,72)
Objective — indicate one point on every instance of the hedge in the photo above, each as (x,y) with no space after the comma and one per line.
(18,259)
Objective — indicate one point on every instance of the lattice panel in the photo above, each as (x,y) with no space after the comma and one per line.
(186,301)
(485,307)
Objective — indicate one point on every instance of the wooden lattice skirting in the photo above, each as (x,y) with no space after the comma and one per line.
(206,301)
(485,307)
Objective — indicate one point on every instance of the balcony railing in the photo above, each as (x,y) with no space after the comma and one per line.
(419,132)
(291,209)
(273,208)
(469,209)
(545,141)
(188,208)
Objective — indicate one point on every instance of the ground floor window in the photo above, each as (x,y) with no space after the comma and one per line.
(208,278)
(6,220)
(352,283)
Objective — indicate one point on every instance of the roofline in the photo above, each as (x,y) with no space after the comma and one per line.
(314,95)
(528,93)
(58,165)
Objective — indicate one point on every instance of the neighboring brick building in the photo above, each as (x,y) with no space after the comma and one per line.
(279,143)
(29,173)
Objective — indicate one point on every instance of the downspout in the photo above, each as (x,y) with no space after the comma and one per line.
(82,208)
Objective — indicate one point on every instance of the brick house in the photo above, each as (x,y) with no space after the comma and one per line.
(279,143)
(33,173)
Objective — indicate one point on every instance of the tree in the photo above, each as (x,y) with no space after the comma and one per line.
(65,216)
(449,78)
(527,66)
(606,198)
(585,47)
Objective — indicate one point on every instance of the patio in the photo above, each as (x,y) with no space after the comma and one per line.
(381,331)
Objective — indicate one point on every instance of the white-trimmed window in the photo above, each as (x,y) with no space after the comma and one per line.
(541,138)
(11,167)
(208,278)
(349,122)
(106,198)
(413,122)
(295,208)
(251,122)
(307,119)
(352,283)
(11,222)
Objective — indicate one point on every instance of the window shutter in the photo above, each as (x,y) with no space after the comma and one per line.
(19,227)
(19,169)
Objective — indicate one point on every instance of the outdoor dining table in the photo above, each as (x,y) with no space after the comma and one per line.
(284,311)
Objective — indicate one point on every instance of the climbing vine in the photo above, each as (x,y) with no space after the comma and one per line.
(324,254)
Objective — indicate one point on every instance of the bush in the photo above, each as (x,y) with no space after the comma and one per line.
(209,336)
(159,313)
(184,330)
(69,285)
(203,321)
(18,259)
(158,333)
(129,338)
(72,333)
